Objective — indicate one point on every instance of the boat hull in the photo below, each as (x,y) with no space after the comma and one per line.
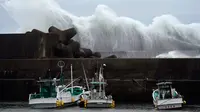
(170,106)
(169,103)
(43,103)
(51,105)
(51,102)
(99,104)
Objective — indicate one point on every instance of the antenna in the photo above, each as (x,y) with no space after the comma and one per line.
(71,78)
(61,64)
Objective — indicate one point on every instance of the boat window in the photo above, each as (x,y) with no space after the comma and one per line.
(164,86)
(165,93)
(96,87)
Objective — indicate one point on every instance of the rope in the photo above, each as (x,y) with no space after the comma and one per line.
(85,77)
(69,84)
(138,84)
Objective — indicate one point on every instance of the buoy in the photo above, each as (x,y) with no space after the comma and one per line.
(73,99)
(113,104)
(62,103)
(81,99)
(85,103)
(58,103)
(156,107)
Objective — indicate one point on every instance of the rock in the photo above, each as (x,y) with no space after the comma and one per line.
(93,57)
(97,54)
(86,53)
(74,45)
(66,35)
(38,32)
(111,56)
(68,51)
(54,30)
(66,46)
(27,32)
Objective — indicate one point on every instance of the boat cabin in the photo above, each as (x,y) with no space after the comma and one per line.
(47,89)
(97,89)
(165,90)
(97,85)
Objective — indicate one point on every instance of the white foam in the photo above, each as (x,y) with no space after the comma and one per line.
(106,31)
(173,54)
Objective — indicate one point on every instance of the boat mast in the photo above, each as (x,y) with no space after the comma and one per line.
(85,77)
(40,85)
(61,76)
(71,79)
(103,81)
(100,81)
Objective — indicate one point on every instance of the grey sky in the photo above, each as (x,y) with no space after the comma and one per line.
(187,11)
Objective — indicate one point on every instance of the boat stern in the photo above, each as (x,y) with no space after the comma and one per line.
(99,103)
(42,103)
(169,103)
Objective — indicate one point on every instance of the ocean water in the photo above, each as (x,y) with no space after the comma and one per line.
(107,32)
(119,108)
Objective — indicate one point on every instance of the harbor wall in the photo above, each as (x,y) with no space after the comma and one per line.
(128,79)
(28,45)
(26,57)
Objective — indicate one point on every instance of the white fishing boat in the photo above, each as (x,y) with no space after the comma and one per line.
(96,96)
(54,95)
(166,97)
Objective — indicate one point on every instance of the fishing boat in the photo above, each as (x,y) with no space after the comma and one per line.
(166,97)
(95,96)
(54,93)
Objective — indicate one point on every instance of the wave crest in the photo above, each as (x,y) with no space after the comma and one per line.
(105,31)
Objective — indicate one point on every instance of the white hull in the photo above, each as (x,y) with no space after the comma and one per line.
(168,103)
(43,103)
(50,105)
(99,103)
(51,102)
(56,95)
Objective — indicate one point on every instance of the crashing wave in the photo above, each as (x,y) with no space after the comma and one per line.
(105,31)
(175,54)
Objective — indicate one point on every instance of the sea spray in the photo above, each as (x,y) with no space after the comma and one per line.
(105,31)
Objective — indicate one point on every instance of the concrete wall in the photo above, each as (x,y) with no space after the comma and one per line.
(27,46)
(126,77)
(116,68)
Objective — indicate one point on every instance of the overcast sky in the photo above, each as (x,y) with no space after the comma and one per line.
(187,11)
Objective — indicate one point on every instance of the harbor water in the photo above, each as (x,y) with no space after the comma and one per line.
(119,108)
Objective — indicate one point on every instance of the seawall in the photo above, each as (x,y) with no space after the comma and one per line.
(128,79)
